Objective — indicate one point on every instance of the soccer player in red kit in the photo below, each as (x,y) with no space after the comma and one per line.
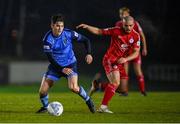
(123,12)
(123,40)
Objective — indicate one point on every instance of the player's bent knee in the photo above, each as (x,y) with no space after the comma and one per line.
(43,91)
(116,83)
(75,90)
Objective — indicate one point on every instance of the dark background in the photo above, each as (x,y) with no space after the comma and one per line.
(30,19)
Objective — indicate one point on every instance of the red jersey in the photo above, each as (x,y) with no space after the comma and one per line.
(136,27)
(121,43)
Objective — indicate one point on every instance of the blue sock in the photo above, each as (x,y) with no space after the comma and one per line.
(44,101)
(83,94)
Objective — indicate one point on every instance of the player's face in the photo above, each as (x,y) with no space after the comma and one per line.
(57,28)
(128,26)
(123,14)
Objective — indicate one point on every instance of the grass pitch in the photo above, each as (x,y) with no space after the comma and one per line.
(18,104)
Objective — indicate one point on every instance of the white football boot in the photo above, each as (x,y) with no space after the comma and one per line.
(104,109)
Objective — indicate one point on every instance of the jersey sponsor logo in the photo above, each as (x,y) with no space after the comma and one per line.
(76,34)
(131,40)
(124,47)
(46,47)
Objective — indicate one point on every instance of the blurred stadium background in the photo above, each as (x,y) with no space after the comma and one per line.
(23,23)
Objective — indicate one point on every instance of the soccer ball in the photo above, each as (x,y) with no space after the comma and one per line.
(55,108)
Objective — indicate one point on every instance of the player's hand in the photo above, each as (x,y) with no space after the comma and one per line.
(144,52)
(89,58)
(82,26)
(122,60)
(67,71)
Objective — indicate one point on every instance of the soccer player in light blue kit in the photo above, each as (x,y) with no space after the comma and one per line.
(57,45)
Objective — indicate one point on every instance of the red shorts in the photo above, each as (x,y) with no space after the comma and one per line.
(108,67)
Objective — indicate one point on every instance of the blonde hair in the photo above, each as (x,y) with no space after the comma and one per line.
(124,9)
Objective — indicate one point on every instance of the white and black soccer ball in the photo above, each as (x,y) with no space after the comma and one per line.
(55,108)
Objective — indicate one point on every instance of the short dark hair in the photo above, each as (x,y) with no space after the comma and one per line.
(57,17)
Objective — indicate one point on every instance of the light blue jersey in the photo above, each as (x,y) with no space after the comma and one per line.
(61,47)
(60,50)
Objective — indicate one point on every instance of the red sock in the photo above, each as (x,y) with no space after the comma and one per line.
(141,83)
(108,94)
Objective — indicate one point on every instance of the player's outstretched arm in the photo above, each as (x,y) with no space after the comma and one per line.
(91,29)
(133,55)
(143,39)
(81,38)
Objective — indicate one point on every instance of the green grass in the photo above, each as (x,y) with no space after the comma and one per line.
(156,107)
(19,104)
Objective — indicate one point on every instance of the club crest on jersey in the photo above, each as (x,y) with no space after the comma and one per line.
(131,40)
(64,40)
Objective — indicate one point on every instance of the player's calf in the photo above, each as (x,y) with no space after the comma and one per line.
(90,105)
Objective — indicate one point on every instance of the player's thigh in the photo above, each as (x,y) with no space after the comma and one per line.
(45,84)
(137,69)
(73,83)
(114,77)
